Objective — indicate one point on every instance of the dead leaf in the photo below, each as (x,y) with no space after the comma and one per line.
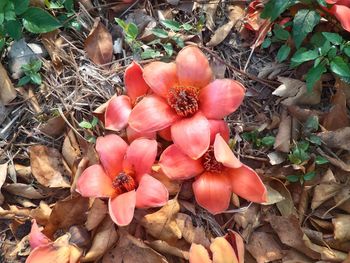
(338,139)
(66,213)
(218,68)
(273,196)
(302,114)
(7,90)
(54,127)
(264,248)
(99,45)
(295,93)
(337,117)
(41,214)
(3,174)
(335,161)
(236,13)
(47,167)
(220,34)
(162,224)
(323,192)
(163,247)
(24,190)
(276,158)
(341,225)
(286,206)
(131,250)
(172,185)
(70,149)
(53,43)
(210,10)
(96,214)
(282,141)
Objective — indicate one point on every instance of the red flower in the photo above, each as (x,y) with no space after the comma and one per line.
(341,10)
(123,177)
(218,173)
(185,97)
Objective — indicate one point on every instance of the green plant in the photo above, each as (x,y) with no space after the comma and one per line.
(257,140)
(89,125)
(31,72)
(301,177)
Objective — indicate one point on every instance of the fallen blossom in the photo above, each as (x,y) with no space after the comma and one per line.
(341,10)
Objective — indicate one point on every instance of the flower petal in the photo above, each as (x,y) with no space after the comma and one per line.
(220,98)
(223,251)
(49,253)
(224,154)
(221,127)
(135,84)
(140,156)
(198,254)
(342,13)
(94,182)
(192,135)
(160,76)
(111,150)
(177,165)
(193,67)
(121,208)
(132,135)
(117,113)
(152,114)
(247,184)
(165,134)
(36,238)
(212,192)
(237,243)
(151,193)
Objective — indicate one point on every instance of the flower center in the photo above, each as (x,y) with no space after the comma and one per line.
(123,183)
(184,100)
(209,162)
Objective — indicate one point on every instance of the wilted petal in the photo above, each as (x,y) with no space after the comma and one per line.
(247,184)
(140,156)
(94,182)
(213,192)
(342,13)
(133,135)
(36,238)
(160,76)
(50,253)
(111,150)
(237,243)
(192,135)
(152,114)
(224,154)
(223,251)
(221,127)
(193,67)
(220,98)
(198,254)
(121,208)
(134,83)
(177,165)
(166,134)
(151,193)
(117,113)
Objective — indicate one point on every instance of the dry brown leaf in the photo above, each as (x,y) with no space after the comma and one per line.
(54,127)
(163,247)
(293,256)
(47,166)
(105,237)
(264,248)
(273,196)
(70,149)
(7,90)
(66,213)
(41,214)
(96,214)
(337,117)
(335,161)
(295,93)
(210,10)
(282,141)
(339,139)
(341,225)
(172,185)
(323,192)
(53,42)
(162,224)
(220,34)
(218,68)
(24,172)
(286,206)
(131,250)
(24,190)
(302,114)
(99,45)
(236,13)
(3,174)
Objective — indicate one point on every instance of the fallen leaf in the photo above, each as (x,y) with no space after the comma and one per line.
(99,45)
(218,68)
(341,225)
(172,185)
(302,114)
(210,10)
(24,190)
(264,248)
(282,141)
(3,174)
(236,13)
(276,158)
(273,196)
(324,192)
(7,90)
(220,34)
(96,214)
(338,139)
(335,161)
(163,247)
(41,214)
(293,256)
(162,224)
(53,43)
(47,167)
(286,206)
(70,149)
(66,213)
(131,250)
(337,117)
(54,127)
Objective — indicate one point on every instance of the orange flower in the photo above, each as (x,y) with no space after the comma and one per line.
(341,10)
(185,98)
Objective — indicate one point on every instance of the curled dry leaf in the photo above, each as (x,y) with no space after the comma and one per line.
(339,139)
(172,185)
(335,161)
(99,45)
(130,250)
(162,224)
(220,34)
(236,13)
(7,90)
(210,10)
(163,247)
(282,141)
(47,166)
(3,174)
(341,225)
(70,149)
(96,214)
(286,206)
(24,190)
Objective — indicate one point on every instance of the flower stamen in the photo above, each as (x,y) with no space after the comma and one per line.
(184,100)
(209,162)
(123,183)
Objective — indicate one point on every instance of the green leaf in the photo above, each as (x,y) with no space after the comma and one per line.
(69,5)
(91,139)
(187,26)
(313,75)
(36,78)
(150,53)
(332,52)
(131,30)
(36,20)
(121,23)
(333,37)
(2,43)
(178,40)
(171,24)
(309,176)
(280,33)
(274,8)
(268,140)
(293,178)
(36,65)
(315,139)
(303,145)
(321,160)
(317,39)
(168,47)
(340,67)
(304,22)
(158,32)
(94,122)
(24,80)
(266,43)
(20,6)
(246,136)
(85,125)
(283,53)
(322,3)
(311,124)
(13,29)
(347,51)
(301,57)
